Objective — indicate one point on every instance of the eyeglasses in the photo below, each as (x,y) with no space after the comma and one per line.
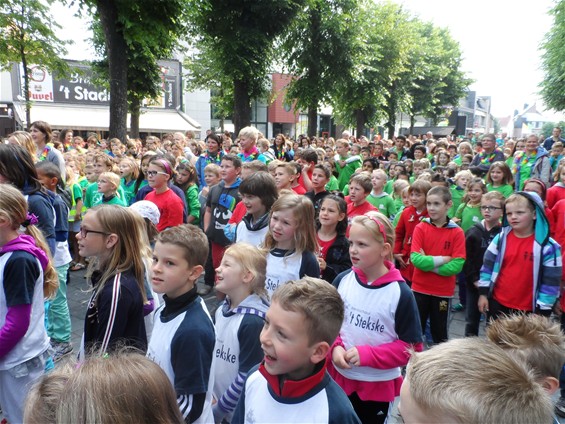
(489,208)
(84,232)
(153,173)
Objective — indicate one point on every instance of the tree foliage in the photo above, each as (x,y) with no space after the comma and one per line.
(141,33)
(553,60)
(235,41)
(404,65)
(316,50)
(28,37)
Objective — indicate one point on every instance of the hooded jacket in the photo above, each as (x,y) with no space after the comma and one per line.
(541,168)
(547,259)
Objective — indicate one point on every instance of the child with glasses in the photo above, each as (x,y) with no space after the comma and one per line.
(159,173)
(477,239)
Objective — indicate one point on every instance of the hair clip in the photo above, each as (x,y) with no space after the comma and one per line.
(379,224)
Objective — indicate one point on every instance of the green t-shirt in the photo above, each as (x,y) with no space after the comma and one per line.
(469,215)
(113,201)
(397,216)
(398,204)
(526,171)
(457,194)
(93,198)
(192,203)
(346,172)
(506,190)
(383,203)
(332,184)
(389,186)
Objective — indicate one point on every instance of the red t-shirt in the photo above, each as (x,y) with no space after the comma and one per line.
(324,246)
(514,288)
(170,206)
(299,189)
(353,211)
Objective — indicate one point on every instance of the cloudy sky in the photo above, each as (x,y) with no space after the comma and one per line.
(499,40)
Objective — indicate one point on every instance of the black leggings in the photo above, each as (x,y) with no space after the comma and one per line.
(369,411)
(437,310)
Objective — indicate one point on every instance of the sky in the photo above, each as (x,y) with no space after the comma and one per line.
(499,39)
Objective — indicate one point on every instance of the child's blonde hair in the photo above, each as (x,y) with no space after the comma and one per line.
(398,187)
(191,239)
(125,254)
(533,339)
(377,226)
(464,173)
(13,208)
(273,165)
(318,301)
(212,168)
(305,238)
(422,163)
(491,387)
(112,178)
(474,182)
(252,260)
(134,166)
(124,388)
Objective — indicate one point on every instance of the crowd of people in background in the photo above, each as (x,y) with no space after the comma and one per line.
(334,263)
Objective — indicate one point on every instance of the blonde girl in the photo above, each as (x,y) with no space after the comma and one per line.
(239,321)
(499,178)
(458,189)
(111,237)
(129,171)
(557,191)
(102,163)
(291,241)
(381,321)
(469,211)
(128,388)
(27,277)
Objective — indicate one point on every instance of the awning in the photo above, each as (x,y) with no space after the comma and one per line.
(436,131)
(98,118)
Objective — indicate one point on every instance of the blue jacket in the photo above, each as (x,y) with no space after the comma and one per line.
(547,259)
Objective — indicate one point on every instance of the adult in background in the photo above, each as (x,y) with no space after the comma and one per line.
(248,137)
(491,153)
(213,154)
(531,163)
(41,135)
(555,136)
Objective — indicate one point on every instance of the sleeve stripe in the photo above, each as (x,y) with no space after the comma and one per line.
(112,316)
(185,404)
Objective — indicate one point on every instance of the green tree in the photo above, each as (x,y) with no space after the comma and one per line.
(553,60)
(442,83)
(131,36)
(317,50)
(381,57)
(28,38)
(236,39)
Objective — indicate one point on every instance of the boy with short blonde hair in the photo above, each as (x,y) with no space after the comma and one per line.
(485,389)
(292,384)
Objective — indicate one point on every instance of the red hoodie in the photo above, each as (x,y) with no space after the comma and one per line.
(403,240)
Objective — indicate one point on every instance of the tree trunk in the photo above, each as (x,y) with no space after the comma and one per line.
(118,68)
(412,123)
(312,120)
(135,110)
(360,122)
(242,105)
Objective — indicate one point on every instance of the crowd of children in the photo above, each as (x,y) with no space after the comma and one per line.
(334,262)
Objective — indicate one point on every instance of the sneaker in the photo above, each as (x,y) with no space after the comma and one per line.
(560,407)
(457,308)
(61,350)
